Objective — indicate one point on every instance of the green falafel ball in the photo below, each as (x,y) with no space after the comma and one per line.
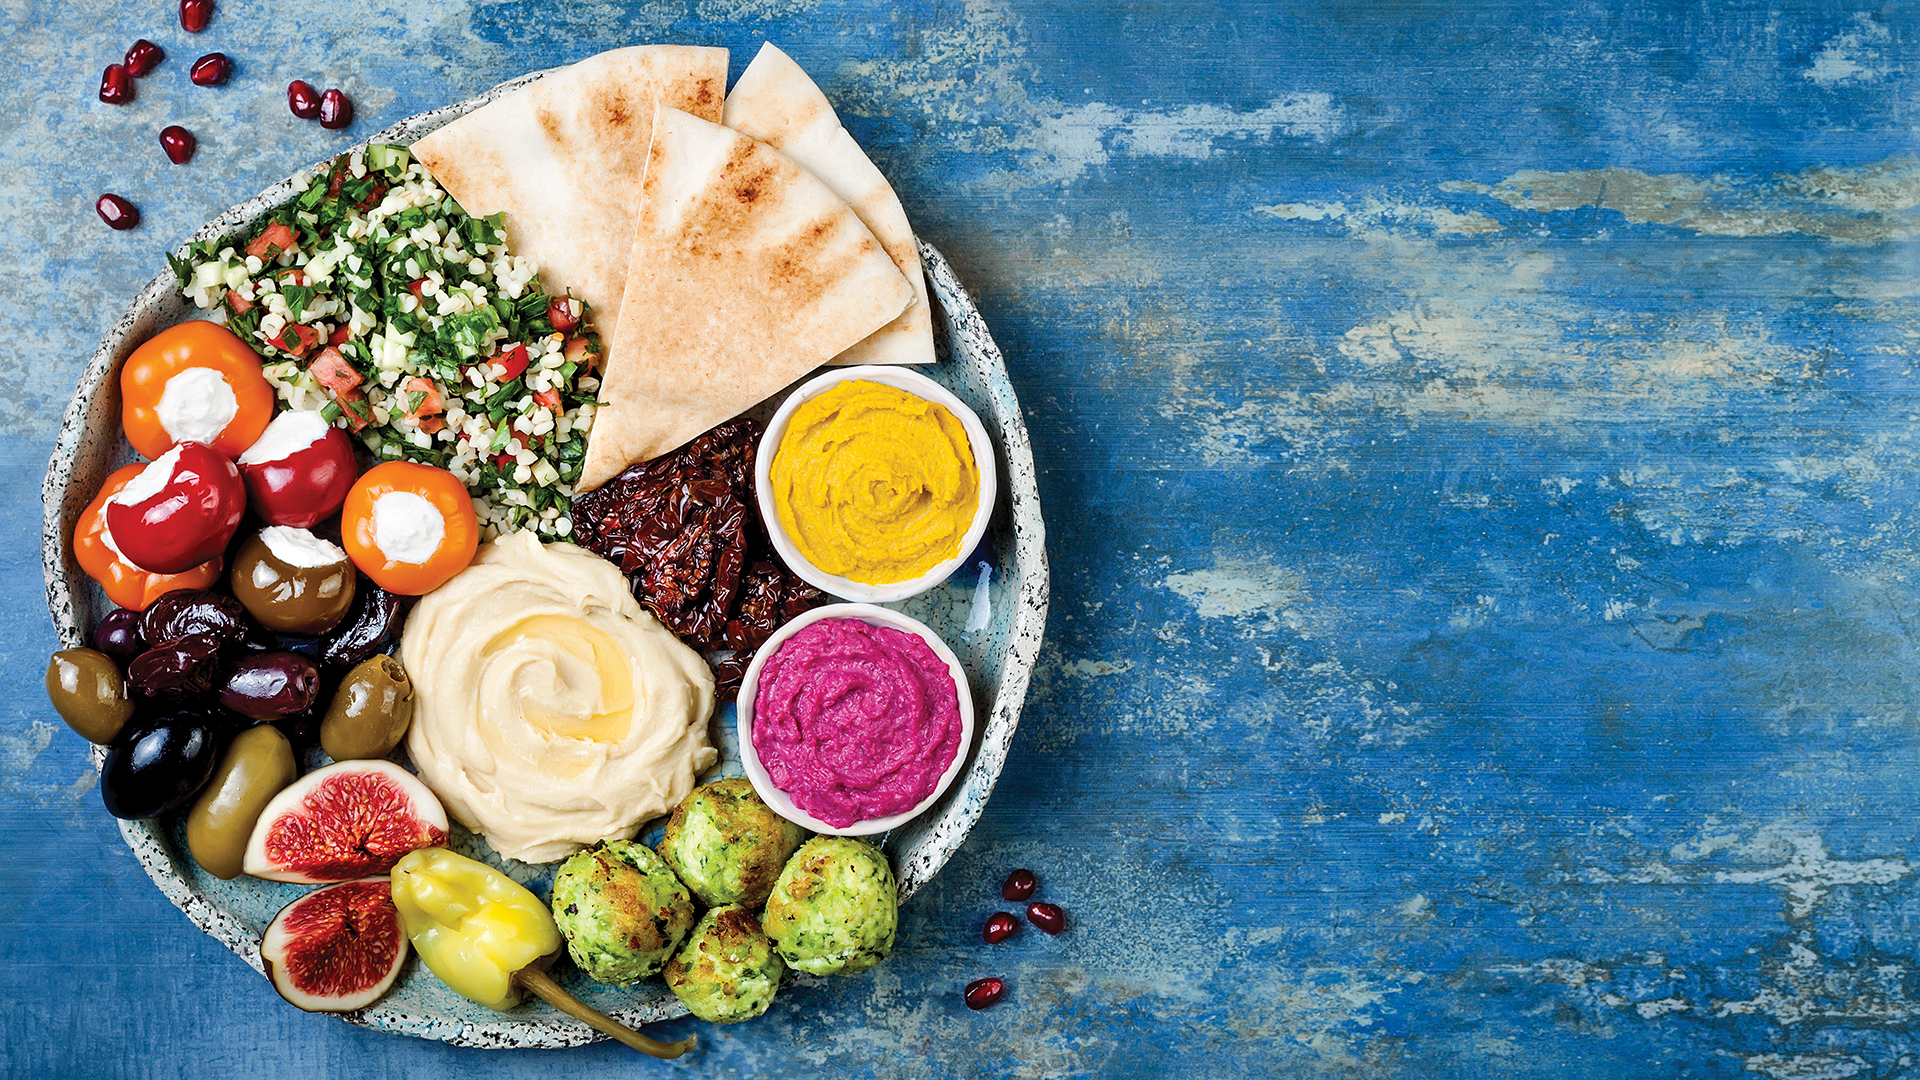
(835,908)
(727,971)
(727,845)
(621,909)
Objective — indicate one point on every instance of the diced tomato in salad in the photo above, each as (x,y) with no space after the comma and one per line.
(276,238)
(430,402)
(581,351)
(353,405)
(332,371)
(238,304)
(296,338)
(341,335)
(514,363)
(549,397)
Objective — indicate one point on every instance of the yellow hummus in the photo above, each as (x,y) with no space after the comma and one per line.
(875,484)
(550,709)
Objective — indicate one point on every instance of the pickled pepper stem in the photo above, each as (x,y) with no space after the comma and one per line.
(536,981)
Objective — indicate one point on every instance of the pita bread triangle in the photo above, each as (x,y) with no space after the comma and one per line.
(746,273)
(774,101)
(564,157)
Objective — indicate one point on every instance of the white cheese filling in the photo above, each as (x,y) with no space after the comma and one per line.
(197,405)
(291,432)
(145,484)
(406,527)
(300,548)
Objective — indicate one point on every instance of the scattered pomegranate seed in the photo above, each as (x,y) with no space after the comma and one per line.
(142,57)
(211,69)
(336,111)
(303,99)
(178,142)
(1047,917)
(1019,885)
(1000,926)
(984,992)
(195,15)
(116,86)
(117,212)
(560,314)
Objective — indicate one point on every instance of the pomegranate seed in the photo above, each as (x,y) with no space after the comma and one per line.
(117,212)
(116,86)
(143,57)
(303,99)
(1000,926)
(178,142)
(1019,885)
(211,69)
(1047,917)
(984,992)
(336,111)
(560,314)
(195,15)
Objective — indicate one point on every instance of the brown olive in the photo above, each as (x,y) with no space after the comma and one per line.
(257,765)
(89,693)
(370,711)
(291,599)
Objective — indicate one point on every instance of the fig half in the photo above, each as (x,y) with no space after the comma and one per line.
(336,949)
(349,820)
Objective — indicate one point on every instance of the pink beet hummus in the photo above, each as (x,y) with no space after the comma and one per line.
(855,721)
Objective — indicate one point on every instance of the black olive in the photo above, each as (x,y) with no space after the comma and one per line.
(118,635)
(271,685)
(201,611)
(160,762)
(179,668)
(376,616)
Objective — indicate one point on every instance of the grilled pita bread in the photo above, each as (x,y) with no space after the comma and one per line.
(777,103)
(746,273)
(564,157)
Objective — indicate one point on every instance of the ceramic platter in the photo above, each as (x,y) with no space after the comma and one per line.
(998,653)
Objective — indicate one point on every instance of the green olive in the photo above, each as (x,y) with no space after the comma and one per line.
(257,766)
(89,693)
(370,712)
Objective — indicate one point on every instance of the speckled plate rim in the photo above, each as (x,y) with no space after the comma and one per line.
(70,482)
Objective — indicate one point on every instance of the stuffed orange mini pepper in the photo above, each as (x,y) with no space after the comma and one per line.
(126,584)
(409,527)
(194,382)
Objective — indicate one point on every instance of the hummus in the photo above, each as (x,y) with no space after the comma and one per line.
(874,484)
(855,721)
(550,709)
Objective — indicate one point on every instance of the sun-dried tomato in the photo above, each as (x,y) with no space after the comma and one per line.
(685,530)
(728,674)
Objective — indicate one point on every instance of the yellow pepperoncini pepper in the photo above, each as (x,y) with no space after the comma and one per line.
(490,939)
(471,924)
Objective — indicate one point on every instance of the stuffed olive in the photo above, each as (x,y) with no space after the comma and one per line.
(292,581)
(370,712)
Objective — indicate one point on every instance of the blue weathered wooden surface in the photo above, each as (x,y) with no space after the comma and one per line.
(1478,449)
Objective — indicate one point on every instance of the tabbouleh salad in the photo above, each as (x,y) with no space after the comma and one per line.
(378,302)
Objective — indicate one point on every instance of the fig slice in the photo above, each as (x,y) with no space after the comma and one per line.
(336,949)
(349,820)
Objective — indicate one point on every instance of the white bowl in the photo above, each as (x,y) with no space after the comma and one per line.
(778,799)
(914,383)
